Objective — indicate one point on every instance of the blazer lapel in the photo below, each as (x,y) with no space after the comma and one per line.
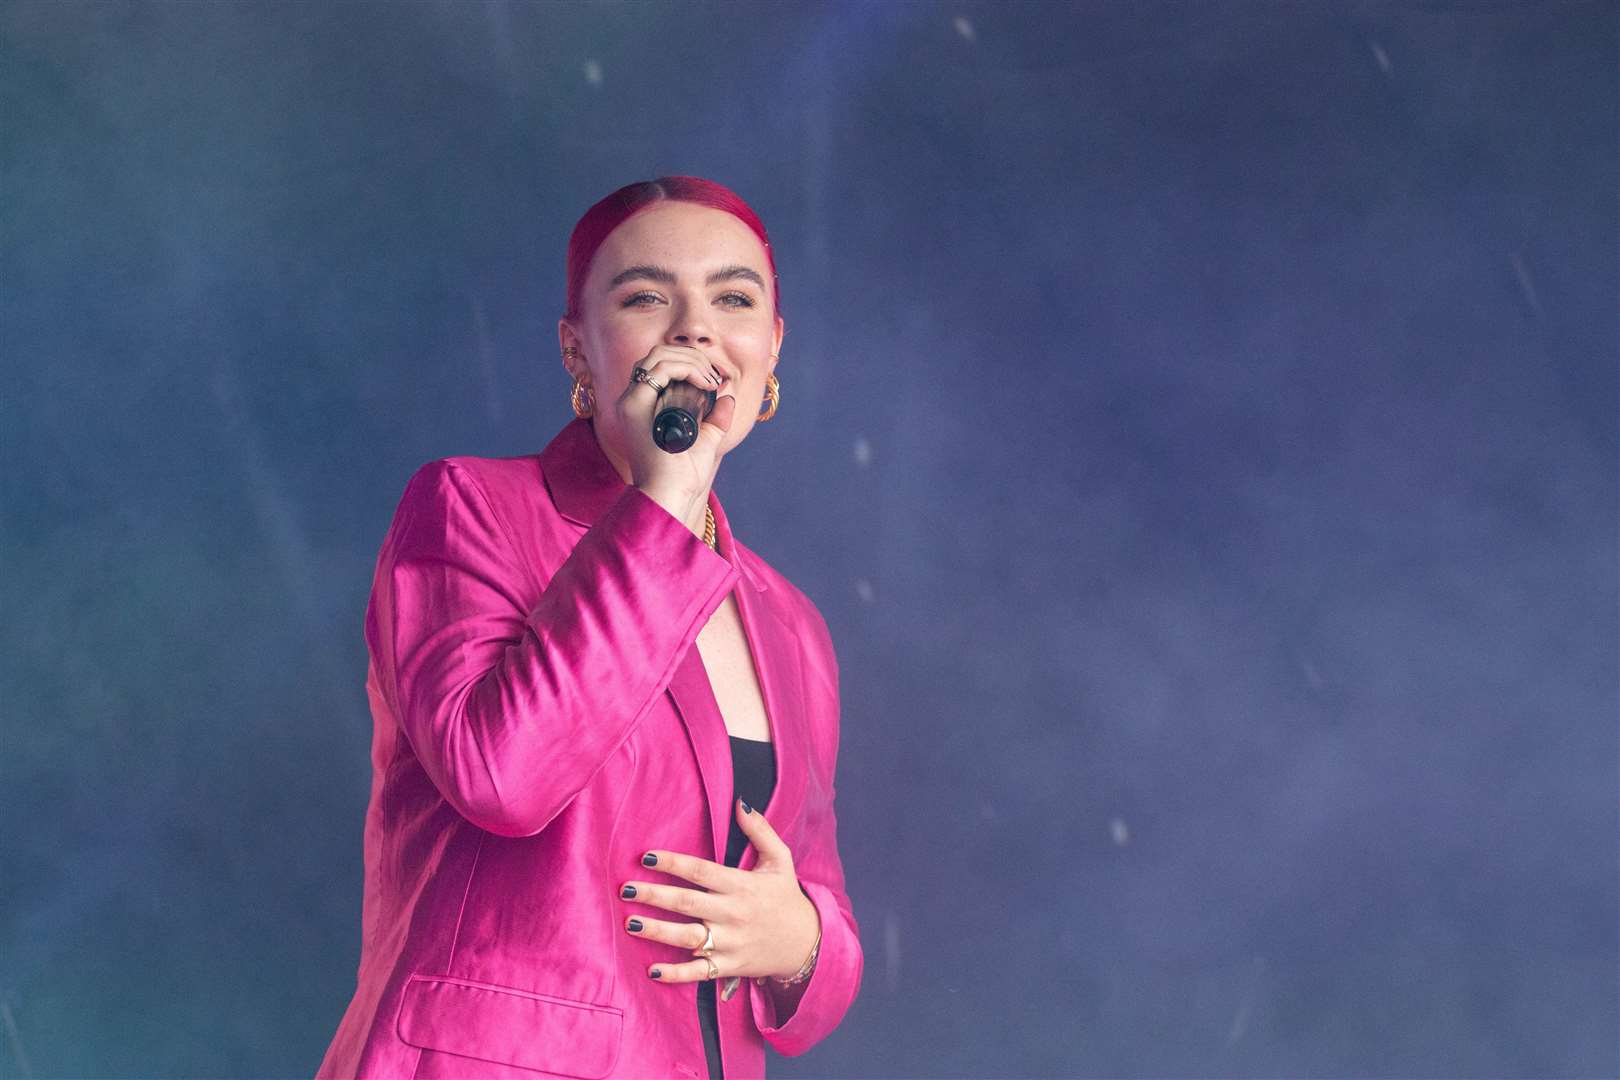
(774,644)
(693,698)
(775,652)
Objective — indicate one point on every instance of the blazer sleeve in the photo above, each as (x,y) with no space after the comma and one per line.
(833,985)
(511,710)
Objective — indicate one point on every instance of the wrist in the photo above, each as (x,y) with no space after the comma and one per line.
(808,966)
(678,504)
(806,969)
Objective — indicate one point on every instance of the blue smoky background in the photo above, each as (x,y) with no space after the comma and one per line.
(1198,428)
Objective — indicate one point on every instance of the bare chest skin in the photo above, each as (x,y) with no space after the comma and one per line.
(724,648)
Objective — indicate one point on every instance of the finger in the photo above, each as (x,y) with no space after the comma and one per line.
(691,971)
(683,935)
(699,871)
(773,850)
(682,901)
(693,353)
(720,415)
(665,373)
(666,369)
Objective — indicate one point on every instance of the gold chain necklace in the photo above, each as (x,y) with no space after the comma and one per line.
(708,529)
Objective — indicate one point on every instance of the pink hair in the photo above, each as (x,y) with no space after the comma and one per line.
(612,211)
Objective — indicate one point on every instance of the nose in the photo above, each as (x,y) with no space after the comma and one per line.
(689,326)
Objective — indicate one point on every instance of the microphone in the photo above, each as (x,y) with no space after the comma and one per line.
(681,408)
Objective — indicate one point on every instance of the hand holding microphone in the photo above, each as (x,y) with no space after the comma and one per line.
(674,396)
(680,411)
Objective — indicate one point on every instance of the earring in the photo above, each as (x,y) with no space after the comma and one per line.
(773,397)
(583,401)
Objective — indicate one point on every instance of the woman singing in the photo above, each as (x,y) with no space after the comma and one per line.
(592,849)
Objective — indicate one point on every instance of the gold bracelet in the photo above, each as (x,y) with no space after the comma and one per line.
(805,968)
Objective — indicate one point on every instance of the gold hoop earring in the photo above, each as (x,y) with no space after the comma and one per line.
(581,398)
(773,397)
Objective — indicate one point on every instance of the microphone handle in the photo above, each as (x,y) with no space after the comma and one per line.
(681,408)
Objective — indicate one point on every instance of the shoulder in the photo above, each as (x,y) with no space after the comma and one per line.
(467,484)
(781,589)
(490,477)
(788,599)
(818,659)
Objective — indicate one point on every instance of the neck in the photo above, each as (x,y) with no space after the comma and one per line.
(697,519)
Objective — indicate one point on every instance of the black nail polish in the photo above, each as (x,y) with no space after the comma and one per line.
(649,859)
(746,808)
(628,892)
(635,926)
(656,973)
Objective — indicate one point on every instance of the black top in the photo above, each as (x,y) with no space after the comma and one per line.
(753,771)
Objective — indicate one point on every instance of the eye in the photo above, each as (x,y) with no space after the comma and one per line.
(743,300)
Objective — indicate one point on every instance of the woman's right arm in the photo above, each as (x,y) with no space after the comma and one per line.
(512,711)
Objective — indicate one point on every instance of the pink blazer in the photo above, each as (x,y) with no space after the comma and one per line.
(540,721)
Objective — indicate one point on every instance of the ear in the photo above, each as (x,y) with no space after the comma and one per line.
(776,346)
(565,337)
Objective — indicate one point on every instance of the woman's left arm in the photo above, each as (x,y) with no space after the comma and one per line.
(794,1018)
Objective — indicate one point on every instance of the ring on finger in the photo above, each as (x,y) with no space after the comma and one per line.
(706,949)
(639,374)
(714,972)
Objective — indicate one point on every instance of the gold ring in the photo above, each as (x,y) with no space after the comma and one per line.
(714,972)
(706,949)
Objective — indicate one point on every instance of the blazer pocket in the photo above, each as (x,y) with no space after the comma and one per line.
(510,1026)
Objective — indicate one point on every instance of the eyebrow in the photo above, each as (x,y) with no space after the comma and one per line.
(667,277)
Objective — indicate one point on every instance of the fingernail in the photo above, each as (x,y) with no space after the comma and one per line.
(635,926)
(649,859)
(746,808)
(655,973)
(628,892)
